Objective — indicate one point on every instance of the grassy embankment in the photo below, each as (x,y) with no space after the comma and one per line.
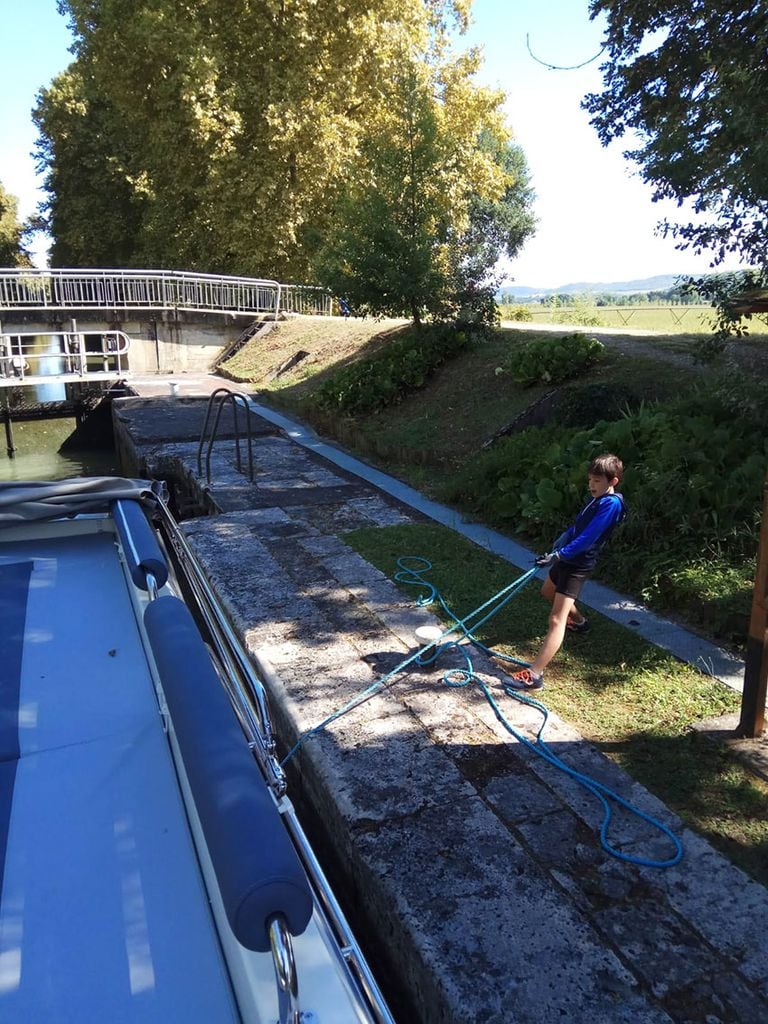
(631,699)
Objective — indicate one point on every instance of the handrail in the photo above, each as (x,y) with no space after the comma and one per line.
(246,690)
(224,395)
(116,289)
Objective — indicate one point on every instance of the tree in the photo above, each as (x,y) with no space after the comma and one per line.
(691,79)
(434,195)
(12,251)
(93,210)
(221,126)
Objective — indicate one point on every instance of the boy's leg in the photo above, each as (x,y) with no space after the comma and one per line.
(561,607)
(576,618)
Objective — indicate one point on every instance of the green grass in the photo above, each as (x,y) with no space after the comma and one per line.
(633,701)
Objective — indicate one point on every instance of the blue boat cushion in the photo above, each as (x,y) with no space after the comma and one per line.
(140,545)
(256,865)
(14,588)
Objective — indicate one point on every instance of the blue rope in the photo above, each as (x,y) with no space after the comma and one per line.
(410,572)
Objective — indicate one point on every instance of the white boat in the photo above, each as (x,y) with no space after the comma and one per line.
(152,867)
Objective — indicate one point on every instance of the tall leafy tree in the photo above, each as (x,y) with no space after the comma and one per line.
(434,194)
(93,209)
(12,250)
(226,123)
(688,84)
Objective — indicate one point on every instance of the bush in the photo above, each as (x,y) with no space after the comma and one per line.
(405,365)
(553,360)
(582,311)
(520,313)
(583,405)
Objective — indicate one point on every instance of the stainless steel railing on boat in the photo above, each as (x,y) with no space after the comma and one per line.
(219,398)
(238,665)
(246,690)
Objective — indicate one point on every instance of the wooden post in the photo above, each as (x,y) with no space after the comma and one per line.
(9,445)
(752,722)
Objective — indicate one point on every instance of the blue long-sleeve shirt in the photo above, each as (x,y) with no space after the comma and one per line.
(582,541)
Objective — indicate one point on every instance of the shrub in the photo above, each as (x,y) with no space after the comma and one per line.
(405,365)
(519,313)
(585,404)
(552,360)
(582,312)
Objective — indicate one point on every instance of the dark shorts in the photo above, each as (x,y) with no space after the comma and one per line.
(569,579)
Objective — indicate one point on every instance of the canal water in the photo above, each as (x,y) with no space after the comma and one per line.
(38,443)
(38,455)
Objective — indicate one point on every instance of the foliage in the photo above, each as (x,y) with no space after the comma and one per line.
(93,212)
(12,251)
(518,313)
(216,135)
(580,310)
(729,295)
(433,196)
(583,405)
(404,365)
(552,360)
(691,80)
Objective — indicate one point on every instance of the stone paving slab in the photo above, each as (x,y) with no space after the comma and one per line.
(181,419)
(472,868)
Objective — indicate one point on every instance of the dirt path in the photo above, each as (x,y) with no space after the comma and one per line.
(747,356)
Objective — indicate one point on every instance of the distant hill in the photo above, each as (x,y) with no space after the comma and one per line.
(647,284)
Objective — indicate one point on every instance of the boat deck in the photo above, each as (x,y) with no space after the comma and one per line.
(102,895)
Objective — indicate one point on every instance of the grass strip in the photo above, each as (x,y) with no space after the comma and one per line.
(633,701)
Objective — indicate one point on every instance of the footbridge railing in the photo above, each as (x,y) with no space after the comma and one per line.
(155,289)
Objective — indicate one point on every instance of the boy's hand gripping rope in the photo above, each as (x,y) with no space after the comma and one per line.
(412,575)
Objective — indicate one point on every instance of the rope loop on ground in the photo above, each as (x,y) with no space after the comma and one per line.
(411,570)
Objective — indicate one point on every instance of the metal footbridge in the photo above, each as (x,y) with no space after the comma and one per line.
(136,290)
(62,297)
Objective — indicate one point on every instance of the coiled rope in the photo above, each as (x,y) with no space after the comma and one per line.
(411,570)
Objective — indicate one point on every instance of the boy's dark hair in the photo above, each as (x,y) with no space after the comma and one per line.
(609,466)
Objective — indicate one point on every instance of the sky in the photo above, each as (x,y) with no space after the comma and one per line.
(596,220)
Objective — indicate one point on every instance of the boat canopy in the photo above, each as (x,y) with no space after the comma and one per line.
(40,500)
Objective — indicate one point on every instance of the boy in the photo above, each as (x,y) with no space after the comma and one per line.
(572,561)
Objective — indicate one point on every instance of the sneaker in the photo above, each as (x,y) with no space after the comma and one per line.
(578,627)
(526,680)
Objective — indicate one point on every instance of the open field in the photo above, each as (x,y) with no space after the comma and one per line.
(667,319)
